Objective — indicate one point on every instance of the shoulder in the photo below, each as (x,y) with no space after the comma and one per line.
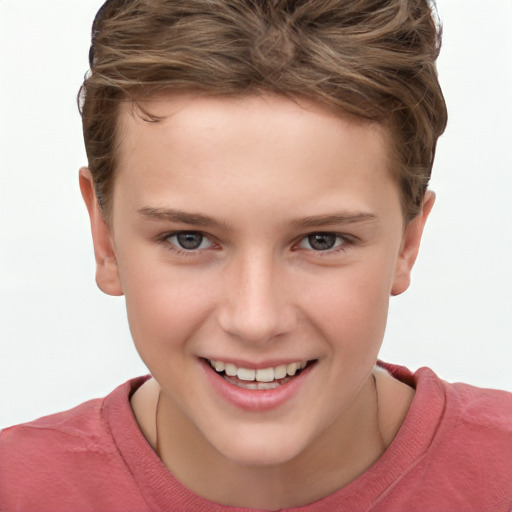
(467,459)
(478,410)
(465,419)
(477,426)
(60,456)
(463,403)
(80,428)
(454,449)
(30,444)
(35,456)
(471,451)
(488,408)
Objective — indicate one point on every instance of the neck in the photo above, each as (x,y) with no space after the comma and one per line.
(342,453)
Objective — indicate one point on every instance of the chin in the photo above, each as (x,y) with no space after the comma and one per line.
(262,448)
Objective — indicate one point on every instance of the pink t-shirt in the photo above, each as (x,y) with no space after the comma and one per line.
(452,454)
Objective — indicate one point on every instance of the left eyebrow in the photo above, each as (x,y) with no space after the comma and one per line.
(334,219)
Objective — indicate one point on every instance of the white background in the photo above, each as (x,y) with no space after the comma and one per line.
(62,341)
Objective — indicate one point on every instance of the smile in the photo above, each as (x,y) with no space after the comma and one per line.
(258,379)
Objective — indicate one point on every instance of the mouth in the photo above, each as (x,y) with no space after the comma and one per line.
(261,378)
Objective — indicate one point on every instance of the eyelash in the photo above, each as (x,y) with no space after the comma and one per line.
(346,242)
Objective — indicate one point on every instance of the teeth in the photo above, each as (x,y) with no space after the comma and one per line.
(245,374)
(292,369)
(218,365)
(267,385)
(280,371)
(230,369)
(264,375)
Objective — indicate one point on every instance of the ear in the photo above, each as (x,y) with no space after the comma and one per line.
(411,246)
(107,273)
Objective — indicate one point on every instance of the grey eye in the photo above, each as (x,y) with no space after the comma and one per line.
(321,241)
(190,240)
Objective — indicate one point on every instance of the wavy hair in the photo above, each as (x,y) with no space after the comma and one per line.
(373,59)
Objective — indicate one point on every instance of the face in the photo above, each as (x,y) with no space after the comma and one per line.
(262,237)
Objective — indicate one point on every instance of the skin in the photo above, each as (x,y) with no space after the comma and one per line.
(271,172)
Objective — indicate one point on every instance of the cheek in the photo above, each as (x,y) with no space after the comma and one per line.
(350,307)
(165,308)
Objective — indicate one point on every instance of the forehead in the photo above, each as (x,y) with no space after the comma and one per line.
(242,122)
(251,146)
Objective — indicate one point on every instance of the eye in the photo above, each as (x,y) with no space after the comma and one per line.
(322,241)
(190,240)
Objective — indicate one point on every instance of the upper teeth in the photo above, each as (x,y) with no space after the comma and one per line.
(260,375)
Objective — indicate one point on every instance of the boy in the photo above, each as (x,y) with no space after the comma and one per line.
(257,188)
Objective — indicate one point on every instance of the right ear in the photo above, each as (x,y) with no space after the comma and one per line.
(107,272)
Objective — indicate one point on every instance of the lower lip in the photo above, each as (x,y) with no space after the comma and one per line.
(255,400)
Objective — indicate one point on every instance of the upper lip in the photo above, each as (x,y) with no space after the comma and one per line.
(268,363)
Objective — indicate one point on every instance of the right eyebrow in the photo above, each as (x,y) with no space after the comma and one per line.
(181,217)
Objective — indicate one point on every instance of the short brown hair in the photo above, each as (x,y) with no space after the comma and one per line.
(374,59)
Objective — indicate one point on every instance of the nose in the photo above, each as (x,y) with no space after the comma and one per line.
(256,307)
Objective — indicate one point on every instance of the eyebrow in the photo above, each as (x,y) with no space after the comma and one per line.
(334,219)
(172,215)
(205,221)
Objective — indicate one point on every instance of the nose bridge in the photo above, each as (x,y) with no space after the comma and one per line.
(256,308)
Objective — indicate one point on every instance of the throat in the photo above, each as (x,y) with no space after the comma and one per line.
(343,452)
